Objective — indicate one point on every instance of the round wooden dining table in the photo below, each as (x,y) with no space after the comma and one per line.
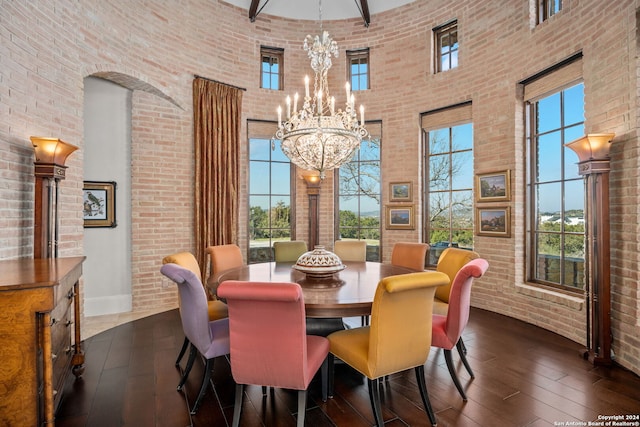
(347,293)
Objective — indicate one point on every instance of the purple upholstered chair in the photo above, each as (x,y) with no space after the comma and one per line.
(269,342)
(209,338)
(447,330)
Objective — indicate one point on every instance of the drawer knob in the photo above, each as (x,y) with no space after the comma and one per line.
(53,321)
(54,356)
(71,294)
(68,323)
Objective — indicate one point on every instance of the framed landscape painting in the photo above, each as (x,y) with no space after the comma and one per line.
(493,187)
(400,192)
(400,217)
(494,221)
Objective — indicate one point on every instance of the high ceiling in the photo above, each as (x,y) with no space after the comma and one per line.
(310,9)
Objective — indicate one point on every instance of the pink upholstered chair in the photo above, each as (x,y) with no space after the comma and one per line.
(209,338)
(447,330)
(269,343)
(410,255)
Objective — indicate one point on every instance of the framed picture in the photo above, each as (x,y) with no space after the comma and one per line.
(400,217)
(400,192)
(99,204)
(494,221)
(493,187)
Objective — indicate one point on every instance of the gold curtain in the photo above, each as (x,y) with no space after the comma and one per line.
(216,114)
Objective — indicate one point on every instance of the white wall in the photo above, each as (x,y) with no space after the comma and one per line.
(107,157)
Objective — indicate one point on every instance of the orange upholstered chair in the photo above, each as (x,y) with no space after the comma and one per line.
(450,262)
(224,257)
(269,342)
(447,330)
(399,337)
(410,255)
(216,309)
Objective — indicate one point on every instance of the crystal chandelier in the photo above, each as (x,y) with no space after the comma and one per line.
(318,137)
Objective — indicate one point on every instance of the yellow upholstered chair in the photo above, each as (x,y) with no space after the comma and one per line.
(289,251)
(351,250)
(217,309)
(450,262)
(399,337)
(224,257)
(410,255)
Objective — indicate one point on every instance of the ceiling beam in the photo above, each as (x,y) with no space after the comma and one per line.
(253,10)
(364,9)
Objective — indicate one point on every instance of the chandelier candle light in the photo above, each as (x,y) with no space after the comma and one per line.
(318,137)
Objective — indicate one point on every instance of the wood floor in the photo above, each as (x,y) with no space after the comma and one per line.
(524,376)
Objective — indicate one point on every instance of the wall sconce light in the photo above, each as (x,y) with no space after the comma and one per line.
(312,179)
(594,165)
(50,156)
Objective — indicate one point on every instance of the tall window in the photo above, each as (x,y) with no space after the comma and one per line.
(270,194)
(547,8)
(358,61)
(446,40)
(358,195)
(272,68)
(448,181)
(556,224)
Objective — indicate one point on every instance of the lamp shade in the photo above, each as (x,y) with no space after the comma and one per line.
(52,151)
(594,146)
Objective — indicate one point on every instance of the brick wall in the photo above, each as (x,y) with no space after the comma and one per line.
(48,47)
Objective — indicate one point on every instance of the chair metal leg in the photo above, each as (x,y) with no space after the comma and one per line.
(203,388)
(462,350)
(454,376)
(331,359)
(237,406)
(185,344)
(374,396)
(422,385)
(324,373)
(302,407)
(193,352)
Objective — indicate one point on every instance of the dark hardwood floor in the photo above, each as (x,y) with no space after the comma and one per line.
(524,376)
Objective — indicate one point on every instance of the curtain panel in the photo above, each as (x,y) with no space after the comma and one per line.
(217,110)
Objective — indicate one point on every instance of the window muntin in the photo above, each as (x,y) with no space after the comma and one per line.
(270,197)
(449,188)
(446,41)
(358,197)
(556,190)
(358,64)
(271,68)
(547,8)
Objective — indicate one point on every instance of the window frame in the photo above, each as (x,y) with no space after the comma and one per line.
(545,9)
(375,127)
(274,53)
(358,54)
(532,228)
(434,253)
(260,130)
(439,33)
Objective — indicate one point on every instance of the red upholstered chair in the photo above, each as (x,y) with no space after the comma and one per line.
(269,342)
(210,339)
(447,330)
(410,255)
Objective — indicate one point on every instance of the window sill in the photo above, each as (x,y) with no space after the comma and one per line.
(552,295)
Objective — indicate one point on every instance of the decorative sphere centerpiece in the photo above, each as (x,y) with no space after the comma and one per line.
(319,263)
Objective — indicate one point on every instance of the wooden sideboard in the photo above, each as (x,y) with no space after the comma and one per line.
(39,336)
